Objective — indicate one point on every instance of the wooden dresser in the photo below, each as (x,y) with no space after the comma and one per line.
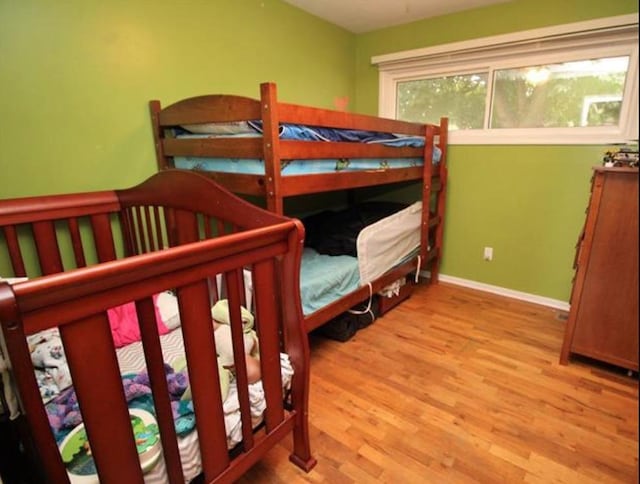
(603,320)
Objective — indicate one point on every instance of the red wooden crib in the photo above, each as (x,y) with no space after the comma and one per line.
(178,234)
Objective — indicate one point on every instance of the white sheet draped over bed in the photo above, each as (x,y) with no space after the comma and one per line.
(386,243)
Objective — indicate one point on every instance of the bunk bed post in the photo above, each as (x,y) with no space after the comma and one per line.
(271,147)
(443,142)
(426,193)
(163,161)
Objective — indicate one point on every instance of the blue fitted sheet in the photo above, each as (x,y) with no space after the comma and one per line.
(326,278)
(292,167)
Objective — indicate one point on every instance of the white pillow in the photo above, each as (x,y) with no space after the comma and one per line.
(167,305)
(232,127)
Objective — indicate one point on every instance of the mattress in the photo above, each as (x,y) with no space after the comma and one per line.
(297,132)
(250,166)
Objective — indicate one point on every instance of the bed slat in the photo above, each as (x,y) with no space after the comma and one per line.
(225,148)
(267,310)
(98,387)
(155,368)
(323,182)
(127,234)
(148,228)
(44,234)
(197,329)
(76,242)
(139,218)
(103,237)
(233,295)
(13,246)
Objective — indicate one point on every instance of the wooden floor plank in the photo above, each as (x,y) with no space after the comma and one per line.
(456,385)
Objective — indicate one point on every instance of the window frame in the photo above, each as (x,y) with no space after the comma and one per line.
(608,37)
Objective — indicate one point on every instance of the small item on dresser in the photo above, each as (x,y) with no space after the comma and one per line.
(622,157)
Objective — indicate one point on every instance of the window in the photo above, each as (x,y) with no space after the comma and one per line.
(576,83)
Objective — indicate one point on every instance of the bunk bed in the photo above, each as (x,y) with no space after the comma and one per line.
(274,150)
(169,253)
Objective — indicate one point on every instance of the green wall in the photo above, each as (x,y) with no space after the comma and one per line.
(527,202)
(76,77)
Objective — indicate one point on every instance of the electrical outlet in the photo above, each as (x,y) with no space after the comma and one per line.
(488,253)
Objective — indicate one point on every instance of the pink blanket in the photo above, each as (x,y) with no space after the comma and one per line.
(124,323)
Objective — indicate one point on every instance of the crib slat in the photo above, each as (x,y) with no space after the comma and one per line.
(140,229)
(170,223)
(155,369)
(101,398)
(149,229)
(264,277)
(76,242)
(233,296)
(125,226)
(103,238)
(25,379)
(44,234)
(197,330)
(156,218)
(17,263)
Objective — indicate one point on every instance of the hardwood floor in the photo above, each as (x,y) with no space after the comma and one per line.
(456,385)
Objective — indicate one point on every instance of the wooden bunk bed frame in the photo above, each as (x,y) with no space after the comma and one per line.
(210,232)
(275,188)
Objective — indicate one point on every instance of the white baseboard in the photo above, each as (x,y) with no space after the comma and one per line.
(503,291)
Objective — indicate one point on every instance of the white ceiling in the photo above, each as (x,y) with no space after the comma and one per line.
(359,16)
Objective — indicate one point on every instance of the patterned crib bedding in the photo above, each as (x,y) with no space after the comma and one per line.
(62,407)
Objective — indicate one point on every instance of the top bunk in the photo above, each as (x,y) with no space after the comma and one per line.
(263,147)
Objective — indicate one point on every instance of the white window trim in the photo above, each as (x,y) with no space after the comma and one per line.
(602,37)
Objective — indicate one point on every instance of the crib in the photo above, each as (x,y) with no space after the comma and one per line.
(72,258)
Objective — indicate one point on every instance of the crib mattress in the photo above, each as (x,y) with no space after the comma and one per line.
(131,362)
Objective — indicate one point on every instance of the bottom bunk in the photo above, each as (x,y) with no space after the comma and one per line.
(137,369)
(368,252)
